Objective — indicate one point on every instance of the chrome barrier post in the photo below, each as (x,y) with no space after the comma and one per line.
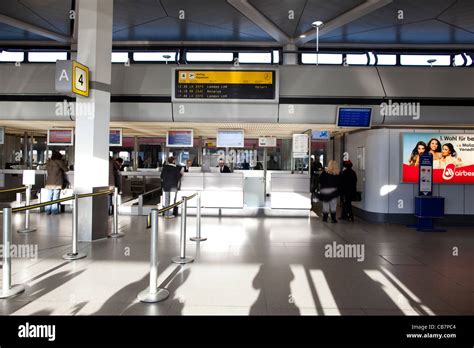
(182,259)
(115,232)
(7,289)
(74,255)
(153,293)
(198,237)
(27,228)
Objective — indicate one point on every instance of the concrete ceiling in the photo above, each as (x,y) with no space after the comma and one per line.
(359,23)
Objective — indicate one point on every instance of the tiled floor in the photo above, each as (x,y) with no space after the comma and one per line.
(247,266)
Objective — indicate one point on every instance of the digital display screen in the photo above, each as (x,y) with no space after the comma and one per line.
(321,135)
(354,117)
(230,138)
(179,138)
(63,137)
(115,137)
(225,84)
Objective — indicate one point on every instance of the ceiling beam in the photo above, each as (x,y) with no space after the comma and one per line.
(357,12)
(260,20)
(34,29)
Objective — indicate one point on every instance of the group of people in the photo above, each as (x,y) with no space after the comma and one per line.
(333,184)
(442,154)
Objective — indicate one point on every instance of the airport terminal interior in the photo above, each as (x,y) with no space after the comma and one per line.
(237,157)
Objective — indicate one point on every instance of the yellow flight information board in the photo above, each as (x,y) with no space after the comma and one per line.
(225,84)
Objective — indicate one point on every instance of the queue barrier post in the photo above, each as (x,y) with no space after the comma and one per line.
(115,232)
(198,237)
(153,293)
(8,290)
(27,228)
(182,258)
(74,255)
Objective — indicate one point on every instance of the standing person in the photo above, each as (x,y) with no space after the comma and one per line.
(329,190)
(55,169)
(113,173)
(316,168)
(348,190)
(170,177)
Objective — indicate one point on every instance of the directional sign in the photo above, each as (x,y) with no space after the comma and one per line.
(72,77)
(80,79)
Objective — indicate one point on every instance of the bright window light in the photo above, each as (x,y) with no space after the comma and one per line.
(6,56)
(324,58)
(422,60)
(263,57)
(154,56)
(209,56)
(356,59)
(276,56)
(46,57)
(386,59)
(119,57)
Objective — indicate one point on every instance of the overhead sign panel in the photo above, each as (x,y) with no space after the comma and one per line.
(354,117)
(224,85)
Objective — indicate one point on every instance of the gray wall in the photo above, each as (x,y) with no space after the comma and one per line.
(380,182)
(295,82)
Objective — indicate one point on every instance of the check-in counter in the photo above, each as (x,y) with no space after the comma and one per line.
(190,184)
(290,191)
(223,190)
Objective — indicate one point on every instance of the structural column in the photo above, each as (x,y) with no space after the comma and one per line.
(91,169)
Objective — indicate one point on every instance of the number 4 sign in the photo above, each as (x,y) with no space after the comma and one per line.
(80,79)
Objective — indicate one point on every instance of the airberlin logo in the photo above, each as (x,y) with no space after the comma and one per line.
(448,172)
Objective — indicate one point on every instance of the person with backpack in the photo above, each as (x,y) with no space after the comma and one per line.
(55,169)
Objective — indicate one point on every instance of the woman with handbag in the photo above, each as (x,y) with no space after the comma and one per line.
(55,169)
(329,183)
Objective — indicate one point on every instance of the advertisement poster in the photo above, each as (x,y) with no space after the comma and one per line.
(453,157)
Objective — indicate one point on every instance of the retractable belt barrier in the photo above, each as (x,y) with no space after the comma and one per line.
(154,293)
(14,189)
(7,289)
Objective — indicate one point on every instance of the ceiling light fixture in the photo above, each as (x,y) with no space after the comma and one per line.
(317,25)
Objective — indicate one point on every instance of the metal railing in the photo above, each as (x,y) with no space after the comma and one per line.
(7,289)
(154,293)
(22,188)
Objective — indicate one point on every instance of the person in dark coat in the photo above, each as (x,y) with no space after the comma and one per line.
(329,183)
(170,178)
(222,167)
(55,169)
(348,190)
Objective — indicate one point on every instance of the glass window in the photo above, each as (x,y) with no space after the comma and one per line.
(119,57)
(6,56)
(155,56)
(263,57)
(46,57)
(276,56)
(386,59)
(425,60)
(324,58)
(209,56)
(356,59)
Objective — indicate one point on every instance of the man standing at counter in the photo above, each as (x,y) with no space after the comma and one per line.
(222,167)
(170,177)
